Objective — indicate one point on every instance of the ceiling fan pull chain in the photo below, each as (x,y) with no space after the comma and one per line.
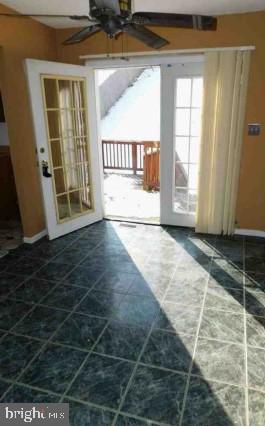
(107,45)
(122,45)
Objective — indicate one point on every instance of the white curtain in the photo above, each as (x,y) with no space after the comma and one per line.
(225,88)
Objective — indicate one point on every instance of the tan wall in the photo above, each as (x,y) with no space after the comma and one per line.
(20,39)
(233,30)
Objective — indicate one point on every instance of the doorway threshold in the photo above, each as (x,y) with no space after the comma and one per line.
(133,220)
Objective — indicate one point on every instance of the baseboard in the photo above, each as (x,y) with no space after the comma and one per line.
(36,237)
(250,232)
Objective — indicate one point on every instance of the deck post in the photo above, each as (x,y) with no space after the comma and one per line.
(134,158)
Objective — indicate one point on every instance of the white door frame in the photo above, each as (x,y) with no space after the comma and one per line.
(166,140)
(169,75)
(34,68)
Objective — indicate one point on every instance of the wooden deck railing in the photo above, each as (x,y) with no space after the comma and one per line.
(125,155)
(138,157)
(133,156)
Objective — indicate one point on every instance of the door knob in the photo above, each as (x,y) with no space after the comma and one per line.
(45,167)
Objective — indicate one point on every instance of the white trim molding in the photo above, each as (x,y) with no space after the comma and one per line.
(36,237)
(250,232)
(162,53)
(151,58)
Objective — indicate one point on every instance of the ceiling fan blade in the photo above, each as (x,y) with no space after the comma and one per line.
(146,36)
(37,15)
(82,35)
(106,4)
(176,20)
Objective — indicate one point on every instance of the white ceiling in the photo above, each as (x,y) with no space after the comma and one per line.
(81,7)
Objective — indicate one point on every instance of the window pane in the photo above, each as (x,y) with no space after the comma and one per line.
(75,203)
(82,154)
(50,89)
(65,97)
(181,200)
(183,95)
(192,201)
(56,153)
(197,92)
(193,176)
(86,199)
(80,123)
(69,150)
(84,175)
(53,124)
(60,186)
(182,122)
(63,207)
(194,150)
(182,149)
(72,178)
(67,123)
(195,122)
(181,175)
(78,94)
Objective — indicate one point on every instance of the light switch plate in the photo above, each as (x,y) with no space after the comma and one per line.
(254,129)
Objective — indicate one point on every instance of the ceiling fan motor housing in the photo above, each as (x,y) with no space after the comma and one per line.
(112,25)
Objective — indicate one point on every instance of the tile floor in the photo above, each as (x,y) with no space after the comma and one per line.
(11,236)
(136,326)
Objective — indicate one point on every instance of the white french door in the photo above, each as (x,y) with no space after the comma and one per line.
(64,114)
(181,107)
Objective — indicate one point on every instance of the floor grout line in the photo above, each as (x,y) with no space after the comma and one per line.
(99,337)
(195,346)
(143,348)
(138,362)
(144,419)
(245,337)
(44,346)
(83,363)
(28,303)
(118,358)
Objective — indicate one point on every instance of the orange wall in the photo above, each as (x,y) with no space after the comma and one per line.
(233,30)
(20,39)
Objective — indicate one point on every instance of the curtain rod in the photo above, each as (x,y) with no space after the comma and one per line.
(164,52)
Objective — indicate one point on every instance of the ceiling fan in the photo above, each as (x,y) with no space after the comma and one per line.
(115,17)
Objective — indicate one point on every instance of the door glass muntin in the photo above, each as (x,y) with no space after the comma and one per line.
(188,106)
(65,113)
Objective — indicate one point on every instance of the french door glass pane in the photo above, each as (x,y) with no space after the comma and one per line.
(56,153)
(182,121)
(63,207)
(181,175)
(194,150)
(195,129)
(192,200)
(188,104)
(75,203)
(197,92)
(193,175)
(65,107)
(181,200)
(183,92)
(182,149)
(51,93)
(53,124)
(59,178)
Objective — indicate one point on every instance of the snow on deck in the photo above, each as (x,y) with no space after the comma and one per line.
(136,115)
